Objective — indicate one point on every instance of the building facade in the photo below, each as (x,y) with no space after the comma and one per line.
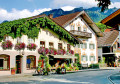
(26,60)
(81,26)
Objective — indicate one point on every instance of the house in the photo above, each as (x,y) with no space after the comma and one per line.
(21,40)
(82,27)
(113,21)
(107,46)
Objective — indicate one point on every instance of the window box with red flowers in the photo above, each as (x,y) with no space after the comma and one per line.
(71,52)
(52,51)
(7,45)
(61,52)
(31,46)
(20,46)
(43,50)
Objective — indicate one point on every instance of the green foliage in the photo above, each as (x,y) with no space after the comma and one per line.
(94,65)
(31,28)
(102,26)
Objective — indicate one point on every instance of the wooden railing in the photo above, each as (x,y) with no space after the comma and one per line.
(81,33)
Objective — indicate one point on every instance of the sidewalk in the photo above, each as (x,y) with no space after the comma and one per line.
(83,70)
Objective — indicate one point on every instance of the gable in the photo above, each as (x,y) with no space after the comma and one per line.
(66,19)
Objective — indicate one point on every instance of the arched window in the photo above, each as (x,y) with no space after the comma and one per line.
(31,62)
(4,62)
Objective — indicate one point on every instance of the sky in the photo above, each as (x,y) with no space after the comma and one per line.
(15,9)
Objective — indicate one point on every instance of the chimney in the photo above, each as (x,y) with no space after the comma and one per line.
(50,16)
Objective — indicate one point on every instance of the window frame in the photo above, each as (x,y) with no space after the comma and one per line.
(60,46)
(91,46)
(84,56)
(31,57)
(42,44)
(52,45)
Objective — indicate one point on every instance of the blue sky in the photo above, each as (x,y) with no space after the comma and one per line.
(14,9)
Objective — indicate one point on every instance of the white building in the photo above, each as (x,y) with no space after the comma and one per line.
(25,61)
(81,26)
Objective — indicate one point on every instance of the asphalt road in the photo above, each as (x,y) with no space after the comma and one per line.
(88,77)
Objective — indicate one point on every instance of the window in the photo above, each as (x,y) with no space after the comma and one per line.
(84,45)
(4,62)
(72,27)
(18,40)
(31,62)
(91,46)
(7,38)
(30,40)
(59,45)
(84,58)
(79,28)
(51,45)
(84,29)
(42,44)
(92,58)
(68,47)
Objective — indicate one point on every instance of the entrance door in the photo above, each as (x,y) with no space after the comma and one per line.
(18,64)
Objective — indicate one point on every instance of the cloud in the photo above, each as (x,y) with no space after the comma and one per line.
(115,4)
(74,3)
(16,14)
(67,8)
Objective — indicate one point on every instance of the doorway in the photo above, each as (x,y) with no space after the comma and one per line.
(18,64)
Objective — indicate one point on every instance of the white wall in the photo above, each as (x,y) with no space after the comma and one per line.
(93,40)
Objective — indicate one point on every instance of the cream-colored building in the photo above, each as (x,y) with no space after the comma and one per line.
(11,58)
(81,26)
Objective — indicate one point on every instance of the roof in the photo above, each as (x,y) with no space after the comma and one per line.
(43,15)
(108,39)
(62,20)
(111,18)
(66,19)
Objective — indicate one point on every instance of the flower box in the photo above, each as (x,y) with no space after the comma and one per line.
(7,45)
(13,71)
(31,46)
(20,46)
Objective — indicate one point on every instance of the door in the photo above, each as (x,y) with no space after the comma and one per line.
(18,64)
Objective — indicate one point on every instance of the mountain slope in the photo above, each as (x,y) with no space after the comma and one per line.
(95,12)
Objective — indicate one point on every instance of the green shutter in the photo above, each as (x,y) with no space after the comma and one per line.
(78,45)
(81,45)
(82,58)
(85,45)
(93,46)
(86,58)
(89,46)
(90,58)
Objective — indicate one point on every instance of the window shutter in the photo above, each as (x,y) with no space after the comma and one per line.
(86,58)
(94,58)
(85,45)
(93,46)
(81,45)
(82,58)
(89,46)
(78,45)
(90,58)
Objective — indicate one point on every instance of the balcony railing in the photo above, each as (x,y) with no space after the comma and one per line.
(81,34)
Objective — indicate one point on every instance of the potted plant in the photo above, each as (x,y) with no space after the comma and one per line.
(31,46)
(7,45)
(13,71)
(20,46)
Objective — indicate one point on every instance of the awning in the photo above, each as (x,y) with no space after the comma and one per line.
(63,56)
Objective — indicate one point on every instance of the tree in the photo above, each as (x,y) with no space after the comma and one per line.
(104,4)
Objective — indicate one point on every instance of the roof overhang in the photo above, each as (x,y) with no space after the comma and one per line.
(89,21)
(112,20)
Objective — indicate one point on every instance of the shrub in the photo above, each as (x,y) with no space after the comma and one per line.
(94,65)
(7,45)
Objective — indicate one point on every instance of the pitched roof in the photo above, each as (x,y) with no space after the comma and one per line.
(66,19)
(108,39)
(62,20)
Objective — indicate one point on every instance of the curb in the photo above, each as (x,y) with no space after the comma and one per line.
(110,78)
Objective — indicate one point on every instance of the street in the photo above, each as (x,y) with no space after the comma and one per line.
(87,77)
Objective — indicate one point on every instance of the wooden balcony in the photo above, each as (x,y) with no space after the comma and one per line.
(81,34)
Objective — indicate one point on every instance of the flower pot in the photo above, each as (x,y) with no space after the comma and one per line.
(12,72)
